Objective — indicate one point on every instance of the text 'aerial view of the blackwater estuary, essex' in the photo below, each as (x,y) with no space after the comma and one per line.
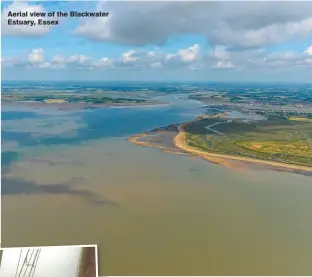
(174,135)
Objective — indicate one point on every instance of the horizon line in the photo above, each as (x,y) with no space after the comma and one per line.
(162,81)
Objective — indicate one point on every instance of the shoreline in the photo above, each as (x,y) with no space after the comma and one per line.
(66,105)
(234,162)
(180,142)
(135,139)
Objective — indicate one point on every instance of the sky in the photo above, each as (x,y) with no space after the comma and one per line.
(161,41)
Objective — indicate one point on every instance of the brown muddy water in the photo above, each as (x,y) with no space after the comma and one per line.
(153,213)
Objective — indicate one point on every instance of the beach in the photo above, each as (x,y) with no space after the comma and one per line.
(180,142)
(178,137)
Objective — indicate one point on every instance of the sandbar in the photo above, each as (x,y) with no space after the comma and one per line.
(180,142)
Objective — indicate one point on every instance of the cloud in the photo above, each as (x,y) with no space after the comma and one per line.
(103,62)
(129,56)
(220,58)
(136,59)
(224,65)
(307,61)
(183,56)
(255,60)
(36,59)
(129,59)
(157,58)
(78,60)
(236,25)
(220,52)
(190,54)
(192,58)
(22,30)
(308,51)
(36,56)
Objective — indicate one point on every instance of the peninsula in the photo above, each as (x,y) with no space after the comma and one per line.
(275,143)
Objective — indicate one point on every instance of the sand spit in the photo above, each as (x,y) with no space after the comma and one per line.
(180,142)
(145,140)
(177,135)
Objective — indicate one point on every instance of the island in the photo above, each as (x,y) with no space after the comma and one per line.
(75,100)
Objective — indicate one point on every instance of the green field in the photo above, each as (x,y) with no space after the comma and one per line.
(284,141)
(72,98)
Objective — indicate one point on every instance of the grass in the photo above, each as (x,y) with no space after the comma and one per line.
(300,119)
(283,141)
(72,98)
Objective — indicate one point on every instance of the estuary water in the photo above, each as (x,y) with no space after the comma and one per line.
(71,177)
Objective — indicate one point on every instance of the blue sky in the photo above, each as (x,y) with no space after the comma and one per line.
(206,41)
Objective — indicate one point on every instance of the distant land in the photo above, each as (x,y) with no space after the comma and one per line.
(72,99)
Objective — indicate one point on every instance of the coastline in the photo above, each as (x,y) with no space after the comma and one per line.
(66,105)
(135,139)
(180,142)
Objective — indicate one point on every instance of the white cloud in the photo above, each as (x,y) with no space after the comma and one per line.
(220,52)
(232,24)
(129,56)
(183,56)
(151,53)
(45,65)
(190,58)
(36,56)
(190,54)
(224,65)
(100,26)
(77,59)
(308,61)
(308,51)
(22,30)
(271,34)
(104,62)
(283,56)
(157,65)
(58,59)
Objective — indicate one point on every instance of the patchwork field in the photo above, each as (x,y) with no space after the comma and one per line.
(285,141)
(60,98)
